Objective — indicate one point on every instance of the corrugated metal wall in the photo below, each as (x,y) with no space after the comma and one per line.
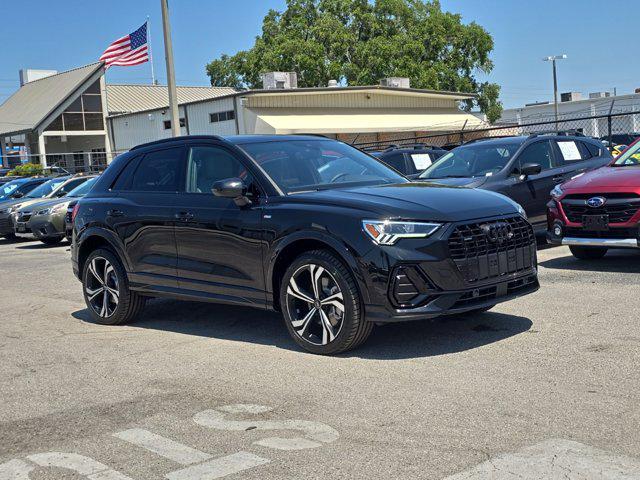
(347,100)
(199,123)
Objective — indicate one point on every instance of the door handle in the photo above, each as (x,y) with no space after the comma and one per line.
(184,216)
(115,213)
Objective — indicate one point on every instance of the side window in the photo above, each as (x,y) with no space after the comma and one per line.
(540,153)
(158,172)
(570,151)
(207,165)
(422,160)
(594,150)
(395,160)
(70,186)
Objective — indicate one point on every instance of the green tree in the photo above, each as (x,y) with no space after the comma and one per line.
(358,42)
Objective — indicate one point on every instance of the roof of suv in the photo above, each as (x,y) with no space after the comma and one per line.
(235,139)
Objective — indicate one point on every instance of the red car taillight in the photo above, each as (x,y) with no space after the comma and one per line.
(74,212)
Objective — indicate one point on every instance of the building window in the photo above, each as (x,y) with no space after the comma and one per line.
(98,158)
(222,116)
(167,123)
(84,113)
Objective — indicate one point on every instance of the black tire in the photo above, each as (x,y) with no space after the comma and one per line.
(129,304)
(9,236)
(51,240)
(588,253)
(352,329)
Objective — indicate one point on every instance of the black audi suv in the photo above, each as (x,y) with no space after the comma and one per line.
(311,227)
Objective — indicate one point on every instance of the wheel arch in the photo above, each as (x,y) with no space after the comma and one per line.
(93,239)
(285,252)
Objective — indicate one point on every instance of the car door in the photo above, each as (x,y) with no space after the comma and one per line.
(578,157)
(533,191)
(143,215)
(219,243)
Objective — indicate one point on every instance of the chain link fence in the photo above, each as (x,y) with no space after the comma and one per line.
(615,128)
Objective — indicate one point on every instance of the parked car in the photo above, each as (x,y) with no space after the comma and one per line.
(48,217)
(255,221)
(620,138)
(6,179)
(56,188)
(525,168)
(410,160)
(598,210)
(618,149)
(19,187)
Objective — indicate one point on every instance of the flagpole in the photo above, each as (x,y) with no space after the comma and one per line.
(171,79)
(153,76)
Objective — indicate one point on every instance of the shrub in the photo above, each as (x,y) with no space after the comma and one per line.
(26,170)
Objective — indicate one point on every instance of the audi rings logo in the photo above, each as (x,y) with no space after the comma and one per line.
(596,202)
(498,232)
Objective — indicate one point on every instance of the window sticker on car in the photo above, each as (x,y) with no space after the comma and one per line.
(421,160)
(569,150)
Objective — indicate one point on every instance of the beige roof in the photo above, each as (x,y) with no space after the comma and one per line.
(291,120)
(140,98)
(33,102)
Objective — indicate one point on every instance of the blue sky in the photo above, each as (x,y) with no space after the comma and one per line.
(600,39)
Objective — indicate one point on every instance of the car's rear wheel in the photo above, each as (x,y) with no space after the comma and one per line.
(321,304)
(588,253)
(10,236)
(106,290)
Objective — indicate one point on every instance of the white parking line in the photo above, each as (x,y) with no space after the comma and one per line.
(220,467)
(15,470)
(163,446)
(555,459)
(80,464)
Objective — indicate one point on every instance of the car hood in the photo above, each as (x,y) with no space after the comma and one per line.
(415,201)
(23,202)
(46,203)
(471,182)
(606,177)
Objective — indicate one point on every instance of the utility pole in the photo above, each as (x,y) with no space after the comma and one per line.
(171,76)
(553,59)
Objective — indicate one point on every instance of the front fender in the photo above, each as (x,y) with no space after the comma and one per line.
(346,252)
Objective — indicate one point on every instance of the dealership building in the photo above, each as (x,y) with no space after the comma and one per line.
(75,120)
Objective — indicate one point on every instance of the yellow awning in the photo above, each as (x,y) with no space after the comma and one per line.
(345,120)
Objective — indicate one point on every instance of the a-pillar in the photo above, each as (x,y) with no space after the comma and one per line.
(42,151)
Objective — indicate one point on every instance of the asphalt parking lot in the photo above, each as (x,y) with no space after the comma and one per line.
(546,386)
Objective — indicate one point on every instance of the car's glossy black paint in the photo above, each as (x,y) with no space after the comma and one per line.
(202,247)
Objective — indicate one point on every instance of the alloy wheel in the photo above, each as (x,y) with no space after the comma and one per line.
(315,304)
(101,287)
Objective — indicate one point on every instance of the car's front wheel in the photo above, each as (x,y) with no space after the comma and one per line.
(588,253)
(321,304)
(106,290)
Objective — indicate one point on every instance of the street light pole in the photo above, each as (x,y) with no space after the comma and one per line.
(553,59)
(171,76)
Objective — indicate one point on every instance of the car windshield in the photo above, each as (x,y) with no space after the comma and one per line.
(474,160)
(46,188)
(630,157)
(8,188)
(303,165)
(82,189)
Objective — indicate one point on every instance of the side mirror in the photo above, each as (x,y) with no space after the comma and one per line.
(528,169)
(232,188)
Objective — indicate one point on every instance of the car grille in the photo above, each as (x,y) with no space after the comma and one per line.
(482,295)
(611,233)
(24,216)
(480,257)
(620,207)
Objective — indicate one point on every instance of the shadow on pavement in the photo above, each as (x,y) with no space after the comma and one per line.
(397,341)
(38,245)
(618,261)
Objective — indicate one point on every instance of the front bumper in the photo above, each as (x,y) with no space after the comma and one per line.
(454,271)
(45,226)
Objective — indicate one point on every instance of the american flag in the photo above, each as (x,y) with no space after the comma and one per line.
(132,49)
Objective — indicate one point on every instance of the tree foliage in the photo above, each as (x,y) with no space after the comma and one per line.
(358,42)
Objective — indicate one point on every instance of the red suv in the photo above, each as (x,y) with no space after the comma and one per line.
(598,210)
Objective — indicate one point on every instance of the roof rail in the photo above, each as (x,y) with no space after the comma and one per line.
(414,146)
(173,139)
(562,133)
(482,139)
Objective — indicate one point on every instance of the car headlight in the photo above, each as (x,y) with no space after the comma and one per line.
(385,232)
(557,192)
(46,211)
(521,211)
